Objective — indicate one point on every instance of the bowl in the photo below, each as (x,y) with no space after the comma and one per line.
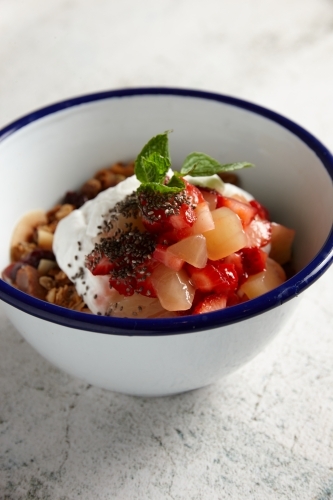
(57,148)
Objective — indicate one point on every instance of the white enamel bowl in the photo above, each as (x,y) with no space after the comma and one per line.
(57,148)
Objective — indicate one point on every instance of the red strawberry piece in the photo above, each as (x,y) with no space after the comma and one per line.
(127,259)
(244,210)
(258,232)
(237,261)
(184,219)
(210,303)
(261,210)
(216,276)
(254,260)
(194,193)
(219,200)
(169,259)
(162,212)
(99,264)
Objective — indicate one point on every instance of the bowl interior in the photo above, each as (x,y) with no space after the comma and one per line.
(40,161)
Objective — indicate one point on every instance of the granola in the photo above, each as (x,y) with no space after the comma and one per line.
(33,267)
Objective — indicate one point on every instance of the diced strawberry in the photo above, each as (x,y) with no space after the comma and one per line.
(233,299)
(184,219)
(261,210)
(219,200)
(236,260)
(258,232)
(194,193)
(169,259)
(127,260)
(210,196)
(216,276)
(99,264)
(254,260)
(244,210)
(161,212)
(125,286)
(210,303)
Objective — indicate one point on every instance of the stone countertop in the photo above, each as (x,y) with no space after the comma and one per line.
(263,433)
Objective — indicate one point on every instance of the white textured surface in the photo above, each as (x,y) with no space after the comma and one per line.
(264,433)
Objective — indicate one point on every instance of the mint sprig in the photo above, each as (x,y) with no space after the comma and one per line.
(200,164)
(153,163)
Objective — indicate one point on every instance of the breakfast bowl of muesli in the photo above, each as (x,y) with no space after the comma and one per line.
(155,240)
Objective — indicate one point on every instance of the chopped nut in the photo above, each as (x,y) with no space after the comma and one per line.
(61,279)
(108,178)
(46,282)
(50,297)
(120,168)
(91,188)
(63,211)
(21,250)
(51,213)
(66,296)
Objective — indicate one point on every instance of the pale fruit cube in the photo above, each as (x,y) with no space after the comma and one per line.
(263,282)
(228,235)
(173,288)
(281,243)
(192,250)
(204,221)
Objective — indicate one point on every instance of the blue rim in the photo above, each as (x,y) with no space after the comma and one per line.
(184,324)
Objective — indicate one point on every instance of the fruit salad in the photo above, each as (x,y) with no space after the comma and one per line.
(165,243)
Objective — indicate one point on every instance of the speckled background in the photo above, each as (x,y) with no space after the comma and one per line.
(264,433)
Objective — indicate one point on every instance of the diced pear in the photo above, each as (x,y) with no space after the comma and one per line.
(263,282)
(192,250)
(281,243)
(173,288)
(204,221)
(228,235)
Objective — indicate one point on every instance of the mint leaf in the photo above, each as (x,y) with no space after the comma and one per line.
(153,161)
(176,183)
(160,188)
(200,164)
(154,167)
